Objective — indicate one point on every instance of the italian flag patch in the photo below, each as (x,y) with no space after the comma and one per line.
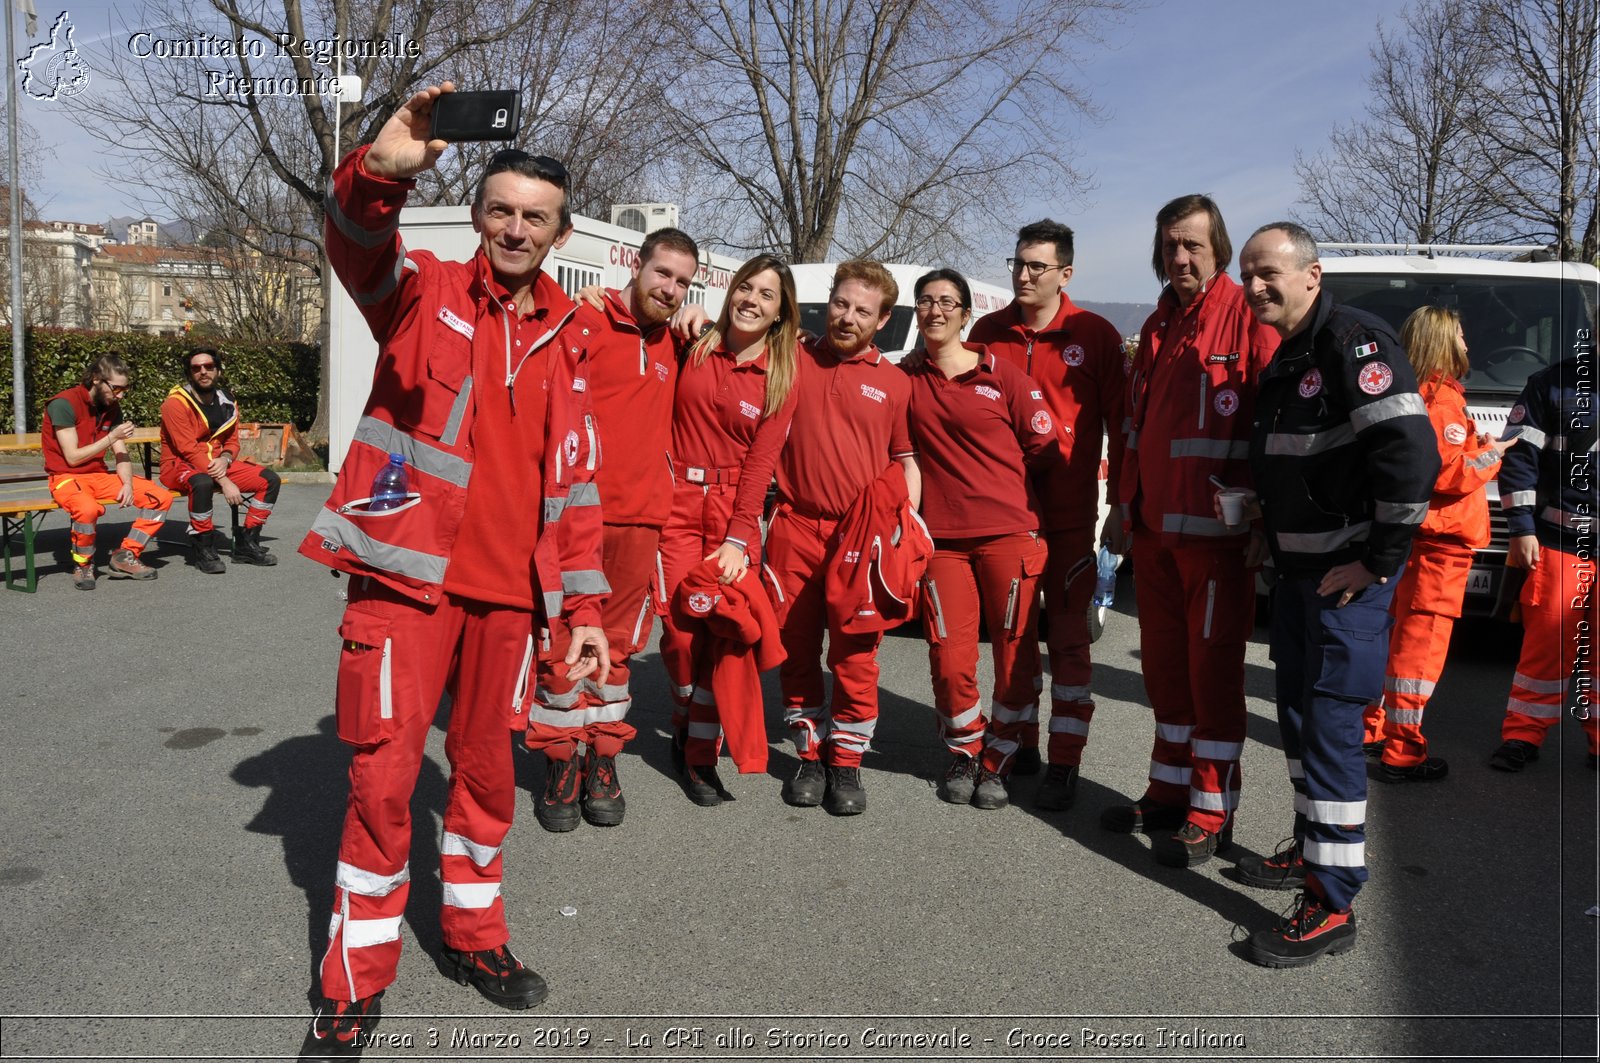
(1367,349)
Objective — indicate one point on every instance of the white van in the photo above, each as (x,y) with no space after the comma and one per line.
(1518,318)
(812,281)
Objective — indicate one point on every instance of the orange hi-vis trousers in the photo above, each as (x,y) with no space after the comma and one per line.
(85,495)
(1559,618)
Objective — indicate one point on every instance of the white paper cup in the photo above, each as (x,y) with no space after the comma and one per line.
(1232,502)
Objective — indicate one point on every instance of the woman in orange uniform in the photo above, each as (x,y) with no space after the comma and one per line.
(980,428)
(1434,582)
(729,420)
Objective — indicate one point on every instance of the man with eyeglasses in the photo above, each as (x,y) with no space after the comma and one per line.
(1192,393)
(849,426)
(200,456)
(493,557)
(80,425)
(1076,359)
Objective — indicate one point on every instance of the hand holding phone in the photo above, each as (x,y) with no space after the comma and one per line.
(464,116)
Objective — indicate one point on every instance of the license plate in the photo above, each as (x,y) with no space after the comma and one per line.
(1480,581)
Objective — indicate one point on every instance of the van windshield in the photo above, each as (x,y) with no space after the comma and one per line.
(892,337)
(1514,326)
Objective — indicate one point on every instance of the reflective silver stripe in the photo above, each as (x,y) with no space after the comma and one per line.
(364,933)
(999,713)
(83,529)
(475,895)
(368,238)
(195,515)
(584,581)
(1409,717)
(1484,460)
(1004,746)
(855,728)
(385,287)
(703,696)
(1337,813)
(1174,732)
(1299,444)
(1133,438)
(1170,773)
(1399,512)
(608,692)
(844,738)
(553,600)
(421,456)
(139,538)
(458,413)
(551,700)
(1526,433)
(1209,750)
(265,507)
(460,845)
(795,713)
(709,731)
(152,514)
(1297,770)
(369,883)
(1404,404)
(1068,725)
(1534,709)
(964,744)
(584,494)
(683,692)
(1127,425)
(390,558)
(962,720)
(1062,692)
(1424,687)
(1226,449)
(1213,802)
(1539,686)
(1322,542)
(1188,524)
(1518,498)
(1571,521)
(611,712)
(1335,854)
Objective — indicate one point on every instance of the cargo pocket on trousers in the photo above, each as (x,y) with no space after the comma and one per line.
(933,627)
(1355,652)
(1023,600)
(364,702)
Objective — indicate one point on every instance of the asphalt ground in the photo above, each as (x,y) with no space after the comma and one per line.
(171,792)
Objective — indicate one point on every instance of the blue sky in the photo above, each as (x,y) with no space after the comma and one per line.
(1200,95)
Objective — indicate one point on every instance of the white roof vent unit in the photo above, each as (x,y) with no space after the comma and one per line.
(645,217)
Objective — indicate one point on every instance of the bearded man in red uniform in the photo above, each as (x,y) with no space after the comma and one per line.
(1076,359)
(849,425)
(1192,392)
(634,367)
(481,387)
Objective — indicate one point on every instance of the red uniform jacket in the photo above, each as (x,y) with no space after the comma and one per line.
(186,435)
(1459,511)
(879,553)
(91,428)
(735,636)
(430,318)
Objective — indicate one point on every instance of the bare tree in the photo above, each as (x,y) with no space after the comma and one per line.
(1411,171)
(891,127)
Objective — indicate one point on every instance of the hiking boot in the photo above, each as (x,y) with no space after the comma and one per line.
(340,1027)
(247,548)
(1283,870)
(1027,762)
(1059,788)
(1372,750)
(1431,770)
(603,803)
(557,808)
(960,779)
(1514,755)
(846,796)
(497,974)
(125,564)
(1311,930)
(1143,815)
(805,788)
(206,558)
(83,576)
(1191,845)
(700,782)
(990,793)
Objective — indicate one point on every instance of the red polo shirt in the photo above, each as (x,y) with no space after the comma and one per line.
(1078,363)
(631,380)
(717,423)
(849,422)
(978,437)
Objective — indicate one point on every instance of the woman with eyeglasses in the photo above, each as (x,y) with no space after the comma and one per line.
(730,418)
(981,429)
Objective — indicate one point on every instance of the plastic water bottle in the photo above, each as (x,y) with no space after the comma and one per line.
(391,485)
(1105,584)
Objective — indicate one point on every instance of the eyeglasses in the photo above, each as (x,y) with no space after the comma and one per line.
(118,390)
(541,166)
(203,367)
(1035,269)
(945,303)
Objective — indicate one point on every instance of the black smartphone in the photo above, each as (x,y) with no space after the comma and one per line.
(493,115)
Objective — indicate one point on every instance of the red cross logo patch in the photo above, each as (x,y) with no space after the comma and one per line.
(1375,378)
(1226,402)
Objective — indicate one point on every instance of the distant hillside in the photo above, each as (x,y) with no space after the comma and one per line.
(1128,317)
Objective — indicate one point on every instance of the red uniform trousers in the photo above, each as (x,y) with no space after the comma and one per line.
(246,476)
(1196,610)
(398,659)
(841,731)
(1427,601)
(85,495)
(1069,578)
(697,526)
(998,575)
(1559,613)
(565,713)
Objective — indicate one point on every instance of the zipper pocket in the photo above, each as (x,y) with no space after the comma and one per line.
(638,625)
(938,608)
(520,694)
(594,442)
(385,683)
(1211,601)
(1011,606)
(1203,383)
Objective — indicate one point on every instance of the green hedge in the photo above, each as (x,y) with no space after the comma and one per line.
(273,382)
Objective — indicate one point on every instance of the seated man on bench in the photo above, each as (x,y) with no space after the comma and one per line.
(80,425)
(200,456)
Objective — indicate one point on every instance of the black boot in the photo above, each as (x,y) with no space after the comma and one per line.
(247,548)
(206,558)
